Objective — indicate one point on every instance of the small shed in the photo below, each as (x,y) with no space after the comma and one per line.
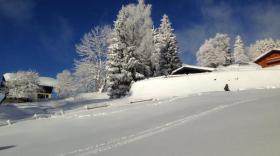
(191,69)
(269,58)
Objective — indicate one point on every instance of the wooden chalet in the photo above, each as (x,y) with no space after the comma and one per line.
(46,88)
(269,59)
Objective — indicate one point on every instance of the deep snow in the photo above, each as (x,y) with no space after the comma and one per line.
(211,124)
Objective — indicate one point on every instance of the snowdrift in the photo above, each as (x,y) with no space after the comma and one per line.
(183,85)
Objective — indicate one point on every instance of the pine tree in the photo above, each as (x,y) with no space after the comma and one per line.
(137,36)
(90,69)
(65,84)
(118,79)
(215,51)
(205,55)
(156,53)
(239,51)
(166,54)
(130,48)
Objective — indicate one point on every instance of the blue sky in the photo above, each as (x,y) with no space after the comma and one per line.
(40,35)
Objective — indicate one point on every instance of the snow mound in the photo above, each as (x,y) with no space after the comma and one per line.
(184,85)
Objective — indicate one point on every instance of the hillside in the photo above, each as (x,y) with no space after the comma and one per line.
(212,124)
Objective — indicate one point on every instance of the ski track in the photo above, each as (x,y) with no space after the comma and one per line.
(117,142)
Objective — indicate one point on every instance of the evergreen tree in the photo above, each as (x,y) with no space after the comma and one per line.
(118,78)
(130,48)
(166,54)
(156,54)
(239,51)
(215,51)
(137,36)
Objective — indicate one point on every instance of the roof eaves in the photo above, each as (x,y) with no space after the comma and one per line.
(264,54)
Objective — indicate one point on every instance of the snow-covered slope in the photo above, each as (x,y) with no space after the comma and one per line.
(182,85)
(1,96)
(244,123)
(24,111)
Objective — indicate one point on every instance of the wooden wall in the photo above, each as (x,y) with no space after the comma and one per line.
(270,59)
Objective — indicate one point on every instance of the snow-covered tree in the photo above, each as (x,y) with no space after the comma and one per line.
(90,69)
(262,46)
(239,51)
(65,84)
(118,78)
(85,77)
(277,42)
(22,84)
(215,51)
(136,34)
(156,54)
(130,48)
(165,58)
(2,88)
(205,55)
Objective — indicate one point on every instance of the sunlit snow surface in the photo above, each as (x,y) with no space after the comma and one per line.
(237,77)
(243,123)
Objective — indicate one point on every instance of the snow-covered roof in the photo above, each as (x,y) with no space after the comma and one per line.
(193,67)
(264,54)
(47,81)
(8,76)
(43,81)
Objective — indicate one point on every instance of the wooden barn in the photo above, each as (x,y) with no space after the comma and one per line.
(191,69)
(269,59)
(46,85)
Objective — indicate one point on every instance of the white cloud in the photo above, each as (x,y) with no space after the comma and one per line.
(18,10)
(266,20)
(251,22)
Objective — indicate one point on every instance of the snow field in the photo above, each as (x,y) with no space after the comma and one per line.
(115,129)
(183,85)
(117,142)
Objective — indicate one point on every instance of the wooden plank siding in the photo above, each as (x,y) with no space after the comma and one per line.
(270,59)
